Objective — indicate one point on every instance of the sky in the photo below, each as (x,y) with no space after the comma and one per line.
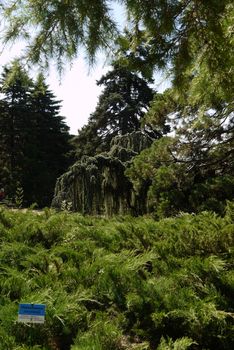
(77,87)
(77,90)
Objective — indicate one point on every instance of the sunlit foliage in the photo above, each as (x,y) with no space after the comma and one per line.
(118,283)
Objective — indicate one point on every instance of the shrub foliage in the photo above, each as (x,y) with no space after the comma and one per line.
(119,283)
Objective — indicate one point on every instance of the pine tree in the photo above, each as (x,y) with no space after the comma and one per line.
(14,119)
(48,152)
(193,39)
(120,110)
(34,142)
(192,170)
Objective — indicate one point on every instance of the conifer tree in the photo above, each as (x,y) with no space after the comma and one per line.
(48,152)
(14,118)
(34,138)
(192,170)
(194,38)
(120,110)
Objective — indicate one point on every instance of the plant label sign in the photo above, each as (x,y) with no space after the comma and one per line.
(31,313)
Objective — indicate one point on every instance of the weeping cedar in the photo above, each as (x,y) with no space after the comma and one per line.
(98,185)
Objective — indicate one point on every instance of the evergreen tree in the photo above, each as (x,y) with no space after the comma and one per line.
(120,110)
(193,169)
(14,118)
(48,150)
(190,40)
(34,138)
(194,39)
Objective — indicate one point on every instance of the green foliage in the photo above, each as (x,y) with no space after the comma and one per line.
(120,110)
(179,344)
(66,206)
(119,283)
(63,27)
(19,196)
(34,142)
(190,171)
(194,40)
(194,170)
(98,185)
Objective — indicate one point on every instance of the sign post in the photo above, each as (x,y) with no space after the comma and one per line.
(31,313)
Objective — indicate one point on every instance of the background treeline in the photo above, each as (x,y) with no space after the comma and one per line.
(120,110)
(191,42)
(118,284)
(34,140)
(122,283)
(188,164)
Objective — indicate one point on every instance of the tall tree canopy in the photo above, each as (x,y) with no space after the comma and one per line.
(192,37)
(193,169)
(48,150)
(15,117)
(34,140)
(192,40)
(120,110)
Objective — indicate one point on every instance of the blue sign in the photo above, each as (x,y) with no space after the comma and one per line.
(31,313)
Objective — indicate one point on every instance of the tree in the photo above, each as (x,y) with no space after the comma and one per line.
(14,118)
(34,138)
(191,170)
(115,133)
(98,186)
(62,27)
(5,161)
(193,38)
(120,110)
(47,152)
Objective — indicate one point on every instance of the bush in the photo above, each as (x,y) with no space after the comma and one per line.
(121,283)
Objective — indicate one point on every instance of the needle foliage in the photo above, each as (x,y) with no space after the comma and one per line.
(119,283)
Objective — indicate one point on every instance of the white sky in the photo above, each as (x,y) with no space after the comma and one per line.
(78,91)
(77,87)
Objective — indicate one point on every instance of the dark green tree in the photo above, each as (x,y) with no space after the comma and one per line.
(47,152)
(34,138)
(14,118)
(193,169)
(191,38)
(5,160)
(120,110)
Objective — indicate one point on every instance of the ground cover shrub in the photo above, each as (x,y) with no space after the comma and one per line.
(119,283)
